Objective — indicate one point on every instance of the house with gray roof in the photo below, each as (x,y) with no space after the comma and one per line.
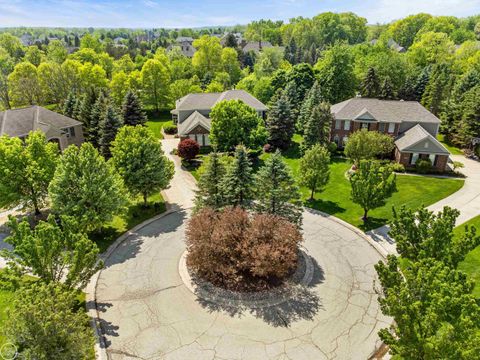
(185,43)
(256,46)
(57,128)
(414,128)
(192,112)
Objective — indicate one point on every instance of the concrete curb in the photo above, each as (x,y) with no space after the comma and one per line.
(91,289)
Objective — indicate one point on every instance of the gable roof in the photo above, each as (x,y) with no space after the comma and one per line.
(417,135)
(194,120)
(19,122)
(256,46)
(205,101)
(384,110)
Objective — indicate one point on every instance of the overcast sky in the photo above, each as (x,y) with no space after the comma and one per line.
(194,13)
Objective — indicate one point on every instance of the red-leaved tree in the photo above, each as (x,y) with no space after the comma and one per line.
(188,149)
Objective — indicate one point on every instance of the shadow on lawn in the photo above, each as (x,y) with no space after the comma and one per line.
(372,223)
(327,206)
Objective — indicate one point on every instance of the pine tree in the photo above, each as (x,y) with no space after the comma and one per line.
(276,192)
(237,183)
(291,92)
(387,92)
(209,185)
(86,107)
(313,98)
(371,84)
(132,112)
(77,108)
(69,105)
(109,125)
(421,84)
(280,123)
(96,115)
(436,89)
(469,126)
(407,91)
(291,52)
(318,126)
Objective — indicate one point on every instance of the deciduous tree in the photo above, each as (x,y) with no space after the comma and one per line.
(366,144)
(315,170)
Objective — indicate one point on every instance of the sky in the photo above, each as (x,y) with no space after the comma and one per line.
(195,13)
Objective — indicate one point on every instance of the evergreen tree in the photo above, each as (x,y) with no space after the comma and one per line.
(313,99)
(291,92)
(69,105)
(96,115)
(237,183)
(371,84)
(109,125)
(276,192)
(209,185)
(407,91)
(469,126)
(318,126)
(85,112)
(132,112)
(77,108)
(421,84)
(387,92)
(280,123)
(231,41)
(436,89)
(291,52)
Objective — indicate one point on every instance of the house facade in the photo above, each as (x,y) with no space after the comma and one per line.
(185,44)
(192,112)
(412,126)
(57,128)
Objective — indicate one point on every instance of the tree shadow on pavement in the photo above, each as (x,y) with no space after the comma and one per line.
(301,303)
(106,327)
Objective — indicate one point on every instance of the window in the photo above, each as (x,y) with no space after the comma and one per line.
(69,132)
(381,127)
(414,158)
(391,128)
(346,125)
(433,159)
(365,126)
(338,124)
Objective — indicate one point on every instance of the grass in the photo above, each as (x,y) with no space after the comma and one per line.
(452,148)
(135,214)
(6,298)
(471,264)
(157,120)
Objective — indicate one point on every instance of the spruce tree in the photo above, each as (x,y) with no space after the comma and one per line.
(209,185)
(436,89)
(77,108)
(280,123)
(318,126)
(407,90)
(371,84)
(291,52)
(276,192)
(291,91)
(132,112)
(109,125)
(98,110)
(421,84)
(69,105)
(237,183)
(469,126)
(313,98)
(85,112)
(387,92)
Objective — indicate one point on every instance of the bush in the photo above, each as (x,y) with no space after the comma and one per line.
(170,129)
(332,147)
(188,149)
(233,250)
(423,166)
(397,167)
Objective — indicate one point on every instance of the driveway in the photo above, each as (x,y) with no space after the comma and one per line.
(147,312)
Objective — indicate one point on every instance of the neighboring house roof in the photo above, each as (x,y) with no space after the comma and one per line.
(383,110)
(256,46)
(417,139)
(205,101)
(392,44)
(19,122)
(181,39)
(194,120)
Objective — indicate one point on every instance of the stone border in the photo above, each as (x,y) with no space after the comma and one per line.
(91,289)
(303,276)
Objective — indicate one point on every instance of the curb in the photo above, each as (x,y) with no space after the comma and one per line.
(91,289)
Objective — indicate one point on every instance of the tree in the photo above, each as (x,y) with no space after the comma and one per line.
(303,77)
(387,92)
(231,65)
(188,149)
(421,234)
(97,112)
(318,125)
(6,67)
(43,324)
(276,192)
(55,251)
(469,126)
(280,123)
(405,30)
(437,88)
(69,105)
(155,83)
(26,170)
(207,55)
(431,48)
(313,98)
(119,87)
(209,192)
(33,55)
(86,188)
(139,159)
(315,170)
(237,183)
(421,84)
(364,144)
(435,314)
(86,110)
(24,86)
(371,84)
(109,125)
(234,123)
(132,113)
(372,183)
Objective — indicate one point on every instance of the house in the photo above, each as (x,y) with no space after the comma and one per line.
(27,39)
(185,44)
(192,112)
(57,127)
(392,44)
(413,127)
(238,38)
(256,46)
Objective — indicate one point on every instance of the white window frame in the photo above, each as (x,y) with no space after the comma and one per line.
(346,125)
(415,157)
(432,158)
(391,128)
(338,124)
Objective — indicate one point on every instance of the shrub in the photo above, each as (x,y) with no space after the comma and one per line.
(188,149)
(239,252)
(423,166)
(397,167)
(332,147)
(170,129)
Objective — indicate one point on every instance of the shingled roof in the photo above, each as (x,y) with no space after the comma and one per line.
(393,111)
(194,120)
(205,101)
(19,122)
(416,135)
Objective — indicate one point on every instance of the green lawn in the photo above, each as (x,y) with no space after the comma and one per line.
(452,148)
(134,215)
(471,264)
(6,298)
(157,120)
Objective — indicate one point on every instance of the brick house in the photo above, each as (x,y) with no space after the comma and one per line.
(57,128)
(192,112)
(413,127)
